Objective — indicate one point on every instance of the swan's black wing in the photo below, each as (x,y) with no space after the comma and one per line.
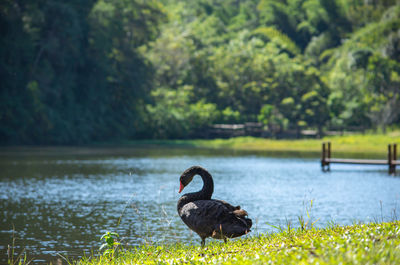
(235,209)
(215,218)
(228,205)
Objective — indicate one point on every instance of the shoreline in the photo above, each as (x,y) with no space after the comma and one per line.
(347,146)
(359,145)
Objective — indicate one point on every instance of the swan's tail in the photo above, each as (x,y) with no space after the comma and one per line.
(233,228)
(249,223)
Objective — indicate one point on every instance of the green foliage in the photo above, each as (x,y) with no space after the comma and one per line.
(174,116)
(110,243)
(229,116)
(280,39)
(71,70)
(360,68)
(270,116)
(383,92)
(103,70)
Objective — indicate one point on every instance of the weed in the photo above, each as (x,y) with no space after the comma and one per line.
(309,223)
(111,244)
(13,258)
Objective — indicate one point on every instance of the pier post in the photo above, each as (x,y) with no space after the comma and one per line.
(394,158)
(323,157)
(329,156)
(390,159)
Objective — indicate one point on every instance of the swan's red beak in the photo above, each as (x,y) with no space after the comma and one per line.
(181,187)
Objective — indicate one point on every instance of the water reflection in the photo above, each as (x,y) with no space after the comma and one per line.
(61,200)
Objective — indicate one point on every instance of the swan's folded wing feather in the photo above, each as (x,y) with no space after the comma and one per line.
(240,213)
(229,206)
(204,211)
(205,216)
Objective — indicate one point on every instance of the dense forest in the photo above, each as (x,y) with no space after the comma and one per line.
(77,72)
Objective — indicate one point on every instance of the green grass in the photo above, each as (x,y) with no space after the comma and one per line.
(370,145)
(375,243)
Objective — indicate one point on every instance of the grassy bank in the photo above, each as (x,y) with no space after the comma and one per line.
(359,145)
(358,244)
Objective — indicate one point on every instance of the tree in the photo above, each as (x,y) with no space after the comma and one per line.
(71,71)
(273,119)
(351,75)
(117,30)
(15,53)
(174,116)
(383,90)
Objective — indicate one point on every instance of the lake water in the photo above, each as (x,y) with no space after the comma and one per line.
(61,200)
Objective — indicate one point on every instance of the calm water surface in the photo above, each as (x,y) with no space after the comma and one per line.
(61,200)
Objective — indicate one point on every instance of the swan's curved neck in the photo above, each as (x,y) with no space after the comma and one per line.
(208,184)
(204,194)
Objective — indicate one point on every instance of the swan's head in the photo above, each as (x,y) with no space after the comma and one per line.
(187,176)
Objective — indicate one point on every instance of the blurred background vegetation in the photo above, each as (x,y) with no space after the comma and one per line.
(76,72)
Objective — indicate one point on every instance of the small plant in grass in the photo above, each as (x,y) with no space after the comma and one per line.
(307,224)
(21,258)
(111,243)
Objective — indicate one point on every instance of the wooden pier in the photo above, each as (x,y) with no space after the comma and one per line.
(391,160)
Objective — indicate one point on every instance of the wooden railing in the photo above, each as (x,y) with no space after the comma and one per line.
(391,160)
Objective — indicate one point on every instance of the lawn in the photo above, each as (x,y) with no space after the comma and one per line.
(374,243)
(359,145)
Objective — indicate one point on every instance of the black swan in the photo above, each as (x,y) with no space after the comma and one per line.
(208,217)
